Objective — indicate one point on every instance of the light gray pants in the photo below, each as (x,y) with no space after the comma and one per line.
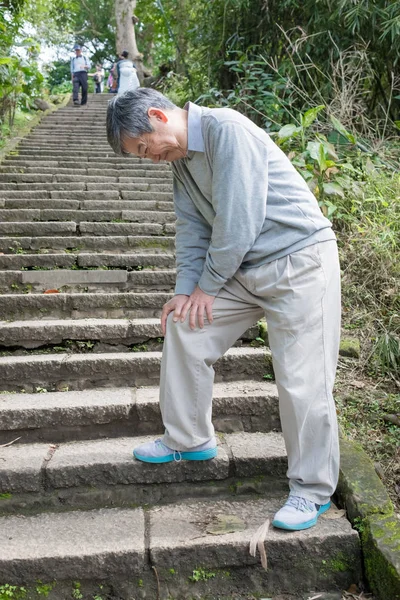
(300,297)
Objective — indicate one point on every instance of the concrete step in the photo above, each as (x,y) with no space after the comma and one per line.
(107,413)
(96,473)
(122,548)
(119,369)
(118,243)
(56,214)
(14,262)
(84,280)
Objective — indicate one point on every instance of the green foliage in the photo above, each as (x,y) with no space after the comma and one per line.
(44,589)
(76,591)
(201,574)
(241,49)
(59,77)
(12,592)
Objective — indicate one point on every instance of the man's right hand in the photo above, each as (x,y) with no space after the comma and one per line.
(174,305)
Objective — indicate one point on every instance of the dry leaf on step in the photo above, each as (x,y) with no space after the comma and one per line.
(334,513)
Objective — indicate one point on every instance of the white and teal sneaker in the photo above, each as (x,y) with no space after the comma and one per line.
(298,513)
(158,452)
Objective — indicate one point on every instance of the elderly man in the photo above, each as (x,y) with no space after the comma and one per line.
(250,241)
(79,76)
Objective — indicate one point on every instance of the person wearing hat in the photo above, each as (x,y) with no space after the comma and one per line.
(79,75)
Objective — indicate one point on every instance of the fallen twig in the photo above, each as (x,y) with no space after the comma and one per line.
(158,583)
(9,443)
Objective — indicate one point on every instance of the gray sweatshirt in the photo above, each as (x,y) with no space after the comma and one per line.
(239,202)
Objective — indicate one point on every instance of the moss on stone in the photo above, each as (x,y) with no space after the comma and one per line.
(350,347)
(360,490)
(381,546)
(263,331)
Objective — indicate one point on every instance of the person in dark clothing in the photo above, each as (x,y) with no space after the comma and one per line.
(79,76)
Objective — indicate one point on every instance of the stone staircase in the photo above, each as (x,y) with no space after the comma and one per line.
(86,263)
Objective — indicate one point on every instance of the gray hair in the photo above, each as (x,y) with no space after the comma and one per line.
(127,115)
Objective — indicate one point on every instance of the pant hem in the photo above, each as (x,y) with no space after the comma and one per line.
(168,441)
(316,498)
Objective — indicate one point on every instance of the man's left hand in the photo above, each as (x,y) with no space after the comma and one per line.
(198,303)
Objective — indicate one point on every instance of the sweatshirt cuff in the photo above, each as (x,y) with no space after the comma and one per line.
(208,284)
(184,286)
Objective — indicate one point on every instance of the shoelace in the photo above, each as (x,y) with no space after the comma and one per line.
(301,504)
(177,453)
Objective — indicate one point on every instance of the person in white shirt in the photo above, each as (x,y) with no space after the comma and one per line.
(126,71)
(79,76)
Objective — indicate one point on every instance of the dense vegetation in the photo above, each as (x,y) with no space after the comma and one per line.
(323,77)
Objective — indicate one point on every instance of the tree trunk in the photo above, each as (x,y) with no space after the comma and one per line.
(181,28)
(126,39)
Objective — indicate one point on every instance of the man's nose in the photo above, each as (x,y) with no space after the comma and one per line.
(155,158)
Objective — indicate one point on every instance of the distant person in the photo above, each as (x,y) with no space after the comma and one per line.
(79,75)
(112,83)
(98,78)
(126,73)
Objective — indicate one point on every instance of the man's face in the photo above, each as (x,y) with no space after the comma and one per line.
(164,143)
(78,52)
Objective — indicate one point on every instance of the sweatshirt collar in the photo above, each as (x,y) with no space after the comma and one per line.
(195,135)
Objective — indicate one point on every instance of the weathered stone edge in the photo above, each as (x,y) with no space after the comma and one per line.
(370,511)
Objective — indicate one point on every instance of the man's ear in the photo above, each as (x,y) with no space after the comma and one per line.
(158,114)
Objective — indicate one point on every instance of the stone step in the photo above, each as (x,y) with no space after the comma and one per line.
(94,243)
(37,229)
(97,414)
(113,163)
(119,369)
(51,228)
(14,262)
(78,125)
(84,280)
(85,195)
(85,161)
(123,549)
(139,173)
(124,183)
(72,152)
(81,306)
(144,228)
(104,334)
(142,183)
(33,334)
(95,473)
(89,205)
(58,214)
(79,135)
